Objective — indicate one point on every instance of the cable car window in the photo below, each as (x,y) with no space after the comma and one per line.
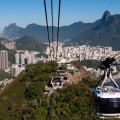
(113,104)
(103,101)
(113,100)
(119,101)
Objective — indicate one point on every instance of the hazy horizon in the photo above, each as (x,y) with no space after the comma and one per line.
(24,12)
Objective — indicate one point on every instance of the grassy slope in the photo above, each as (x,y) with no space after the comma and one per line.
(15,93)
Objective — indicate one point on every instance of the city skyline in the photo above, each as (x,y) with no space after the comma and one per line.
(24,12)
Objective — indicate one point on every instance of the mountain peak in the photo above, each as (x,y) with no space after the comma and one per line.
(105,17)
(12,28)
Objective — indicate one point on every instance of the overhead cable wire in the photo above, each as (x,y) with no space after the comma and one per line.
(52,27)
(109,4)
(52,31)
(47,22)
(58,26)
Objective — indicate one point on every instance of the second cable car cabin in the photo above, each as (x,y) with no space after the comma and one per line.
(107,98)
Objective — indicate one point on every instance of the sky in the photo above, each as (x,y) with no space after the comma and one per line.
(24,12)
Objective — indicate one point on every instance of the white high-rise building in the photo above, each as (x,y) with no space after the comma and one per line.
(80,57)
(15,70)
(68,55)
(33,58)
(4,60)
(86,56)
(105,51)
(22,59)
(28,58)
(16,58)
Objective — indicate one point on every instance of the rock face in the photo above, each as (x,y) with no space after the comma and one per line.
(12,28)
(77,77)
(108,20)
(105,17)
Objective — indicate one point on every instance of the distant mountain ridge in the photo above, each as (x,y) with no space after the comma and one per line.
(39,32)
(106,33)
(103,32)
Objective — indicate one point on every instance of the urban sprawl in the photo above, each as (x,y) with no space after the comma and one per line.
(62,55)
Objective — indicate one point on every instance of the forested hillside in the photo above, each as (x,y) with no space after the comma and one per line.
(30,44)
(24,99)
(91,63)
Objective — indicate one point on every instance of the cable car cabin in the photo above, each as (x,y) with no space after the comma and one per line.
(107,100)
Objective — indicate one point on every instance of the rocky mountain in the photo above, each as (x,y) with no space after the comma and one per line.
(105,18)
(11,29)
(39,32)
(103,32)
(30,44)
(106,33)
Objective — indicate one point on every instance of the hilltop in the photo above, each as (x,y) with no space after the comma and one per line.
(30,44)
(24,98)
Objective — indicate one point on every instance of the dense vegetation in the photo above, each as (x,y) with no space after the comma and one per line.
(91,63)
(11,54)
(41,54)
(30,44)
(4,75)
(23,99)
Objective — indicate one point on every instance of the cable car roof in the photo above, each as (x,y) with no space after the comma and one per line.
(107,92)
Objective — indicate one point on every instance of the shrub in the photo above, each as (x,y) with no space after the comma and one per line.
(4,98)
(76,71)
(33,90)
(71,71)
(12,106)
(27,84)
